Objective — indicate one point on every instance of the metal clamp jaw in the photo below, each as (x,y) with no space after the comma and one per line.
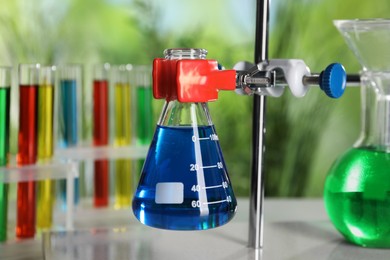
(200,80)
(271,77)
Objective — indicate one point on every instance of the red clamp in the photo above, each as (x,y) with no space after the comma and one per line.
(190,80)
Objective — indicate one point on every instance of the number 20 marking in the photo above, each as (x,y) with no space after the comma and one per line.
(194,167)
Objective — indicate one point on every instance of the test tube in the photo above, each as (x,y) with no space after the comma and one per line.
(27,147)
(122,134)
(101,133)
(69,115)
(5,93)
(45,189)
(144,110)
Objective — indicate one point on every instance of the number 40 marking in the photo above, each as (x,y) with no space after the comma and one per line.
(195,188)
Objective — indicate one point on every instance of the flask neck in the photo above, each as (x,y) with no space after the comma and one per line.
(375,93)
(176,114)
(186,53)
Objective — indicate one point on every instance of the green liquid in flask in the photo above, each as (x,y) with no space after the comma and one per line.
(357,196)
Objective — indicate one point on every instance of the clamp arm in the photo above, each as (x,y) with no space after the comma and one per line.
(270,78)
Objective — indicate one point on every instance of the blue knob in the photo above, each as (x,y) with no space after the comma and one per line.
(333,80)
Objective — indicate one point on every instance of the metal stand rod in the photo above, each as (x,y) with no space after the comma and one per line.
(258,127)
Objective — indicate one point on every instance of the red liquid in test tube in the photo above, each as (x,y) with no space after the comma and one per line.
(27,154)
(100,138)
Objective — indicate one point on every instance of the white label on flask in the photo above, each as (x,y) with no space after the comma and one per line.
(169,193)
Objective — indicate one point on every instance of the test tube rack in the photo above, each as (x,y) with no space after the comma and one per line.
(54,170)
(65,166)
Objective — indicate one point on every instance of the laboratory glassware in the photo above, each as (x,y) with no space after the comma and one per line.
(357,188)
(184,183)
(123,133)
(144,111)
(101,133)
(45,142)
(5,94)
(27,147)
(69,115)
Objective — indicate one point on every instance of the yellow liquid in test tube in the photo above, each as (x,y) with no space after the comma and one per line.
(45,195)
(123,167)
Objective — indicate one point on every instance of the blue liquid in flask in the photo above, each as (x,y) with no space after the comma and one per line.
(184,184)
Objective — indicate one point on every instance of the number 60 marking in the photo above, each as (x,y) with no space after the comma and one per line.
(195,203)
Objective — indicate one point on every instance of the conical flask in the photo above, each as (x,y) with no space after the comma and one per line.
(184,183)
(357,188)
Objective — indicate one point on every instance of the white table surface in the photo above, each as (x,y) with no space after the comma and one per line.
(294,229)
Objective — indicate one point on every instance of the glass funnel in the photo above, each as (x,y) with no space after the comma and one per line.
(184,183)
(357,188)
(369,40)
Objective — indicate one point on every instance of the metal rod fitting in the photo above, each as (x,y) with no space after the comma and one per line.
(256,200)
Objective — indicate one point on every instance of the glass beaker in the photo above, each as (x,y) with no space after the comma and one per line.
(184,183)
(357,189)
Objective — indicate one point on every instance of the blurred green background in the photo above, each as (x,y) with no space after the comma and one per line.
(304,135)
